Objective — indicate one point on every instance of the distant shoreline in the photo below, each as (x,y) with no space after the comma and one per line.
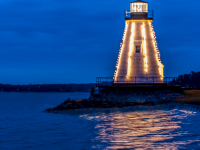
(61,88)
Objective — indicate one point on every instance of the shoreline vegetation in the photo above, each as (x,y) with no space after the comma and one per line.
(190,97)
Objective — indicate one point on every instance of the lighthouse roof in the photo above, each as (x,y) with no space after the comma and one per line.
(139,1)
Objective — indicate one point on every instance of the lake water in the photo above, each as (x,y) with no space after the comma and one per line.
(24,125)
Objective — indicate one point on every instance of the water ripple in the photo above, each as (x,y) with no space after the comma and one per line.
(142,130)
(24,125)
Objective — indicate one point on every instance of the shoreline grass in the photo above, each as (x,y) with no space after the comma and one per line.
(191,97)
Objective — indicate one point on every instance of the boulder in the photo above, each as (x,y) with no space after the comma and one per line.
(69,101)
(80,100)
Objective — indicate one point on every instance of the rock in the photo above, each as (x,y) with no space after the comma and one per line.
(130,103)
(80,100)
(110,99)
(82,106)
(68,101)
(68,104)
(106,105)
(59,108)
(65,106)
(93,105)
(97,96)
(49,109)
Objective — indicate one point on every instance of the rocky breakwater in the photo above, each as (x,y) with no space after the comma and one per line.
(108,99)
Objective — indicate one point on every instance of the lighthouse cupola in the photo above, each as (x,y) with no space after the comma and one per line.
(139,9)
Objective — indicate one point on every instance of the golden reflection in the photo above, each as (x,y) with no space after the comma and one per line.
(139,129)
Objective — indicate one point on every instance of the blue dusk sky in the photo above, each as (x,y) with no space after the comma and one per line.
(66,41)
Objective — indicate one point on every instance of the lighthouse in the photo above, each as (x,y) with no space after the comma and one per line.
(139,58)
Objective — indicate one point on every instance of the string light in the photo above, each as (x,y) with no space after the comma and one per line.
(144,48)
(160,65)
(120,53)
(130,49)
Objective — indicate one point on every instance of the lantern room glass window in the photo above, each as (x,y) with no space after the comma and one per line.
(139,7)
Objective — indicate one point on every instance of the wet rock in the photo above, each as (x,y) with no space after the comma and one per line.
(97,96)
(49,109)
(80,100)
(69,101)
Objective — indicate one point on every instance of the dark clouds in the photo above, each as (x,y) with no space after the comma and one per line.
(60,41)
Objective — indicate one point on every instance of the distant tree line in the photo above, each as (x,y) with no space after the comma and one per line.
(48,87)
(191,80)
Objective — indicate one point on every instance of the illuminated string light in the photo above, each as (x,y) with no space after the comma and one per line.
(144,48)
(161,66)
(130,49)
(120,53)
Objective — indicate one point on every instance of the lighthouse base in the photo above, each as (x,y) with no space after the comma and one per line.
(142,87)
(103,82)
(139,84)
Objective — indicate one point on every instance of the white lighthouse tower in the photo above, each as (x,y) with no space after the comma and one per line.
(139,57)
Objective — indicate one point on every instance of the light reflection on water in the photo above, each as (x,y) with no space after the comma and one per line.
(155,129)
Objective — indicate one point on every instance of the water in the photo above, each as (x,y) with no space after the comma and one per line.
(24,125)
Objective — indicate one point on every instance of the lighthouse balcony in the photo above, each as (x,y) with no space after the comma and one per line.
(102,82)
(138,15)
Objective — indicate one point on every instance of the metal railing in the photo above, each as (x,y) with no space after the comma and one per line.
(109,81)
(127,14)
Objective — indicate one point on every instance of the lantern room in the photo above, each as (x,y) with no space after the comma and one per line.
(139,6)
(139,10)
